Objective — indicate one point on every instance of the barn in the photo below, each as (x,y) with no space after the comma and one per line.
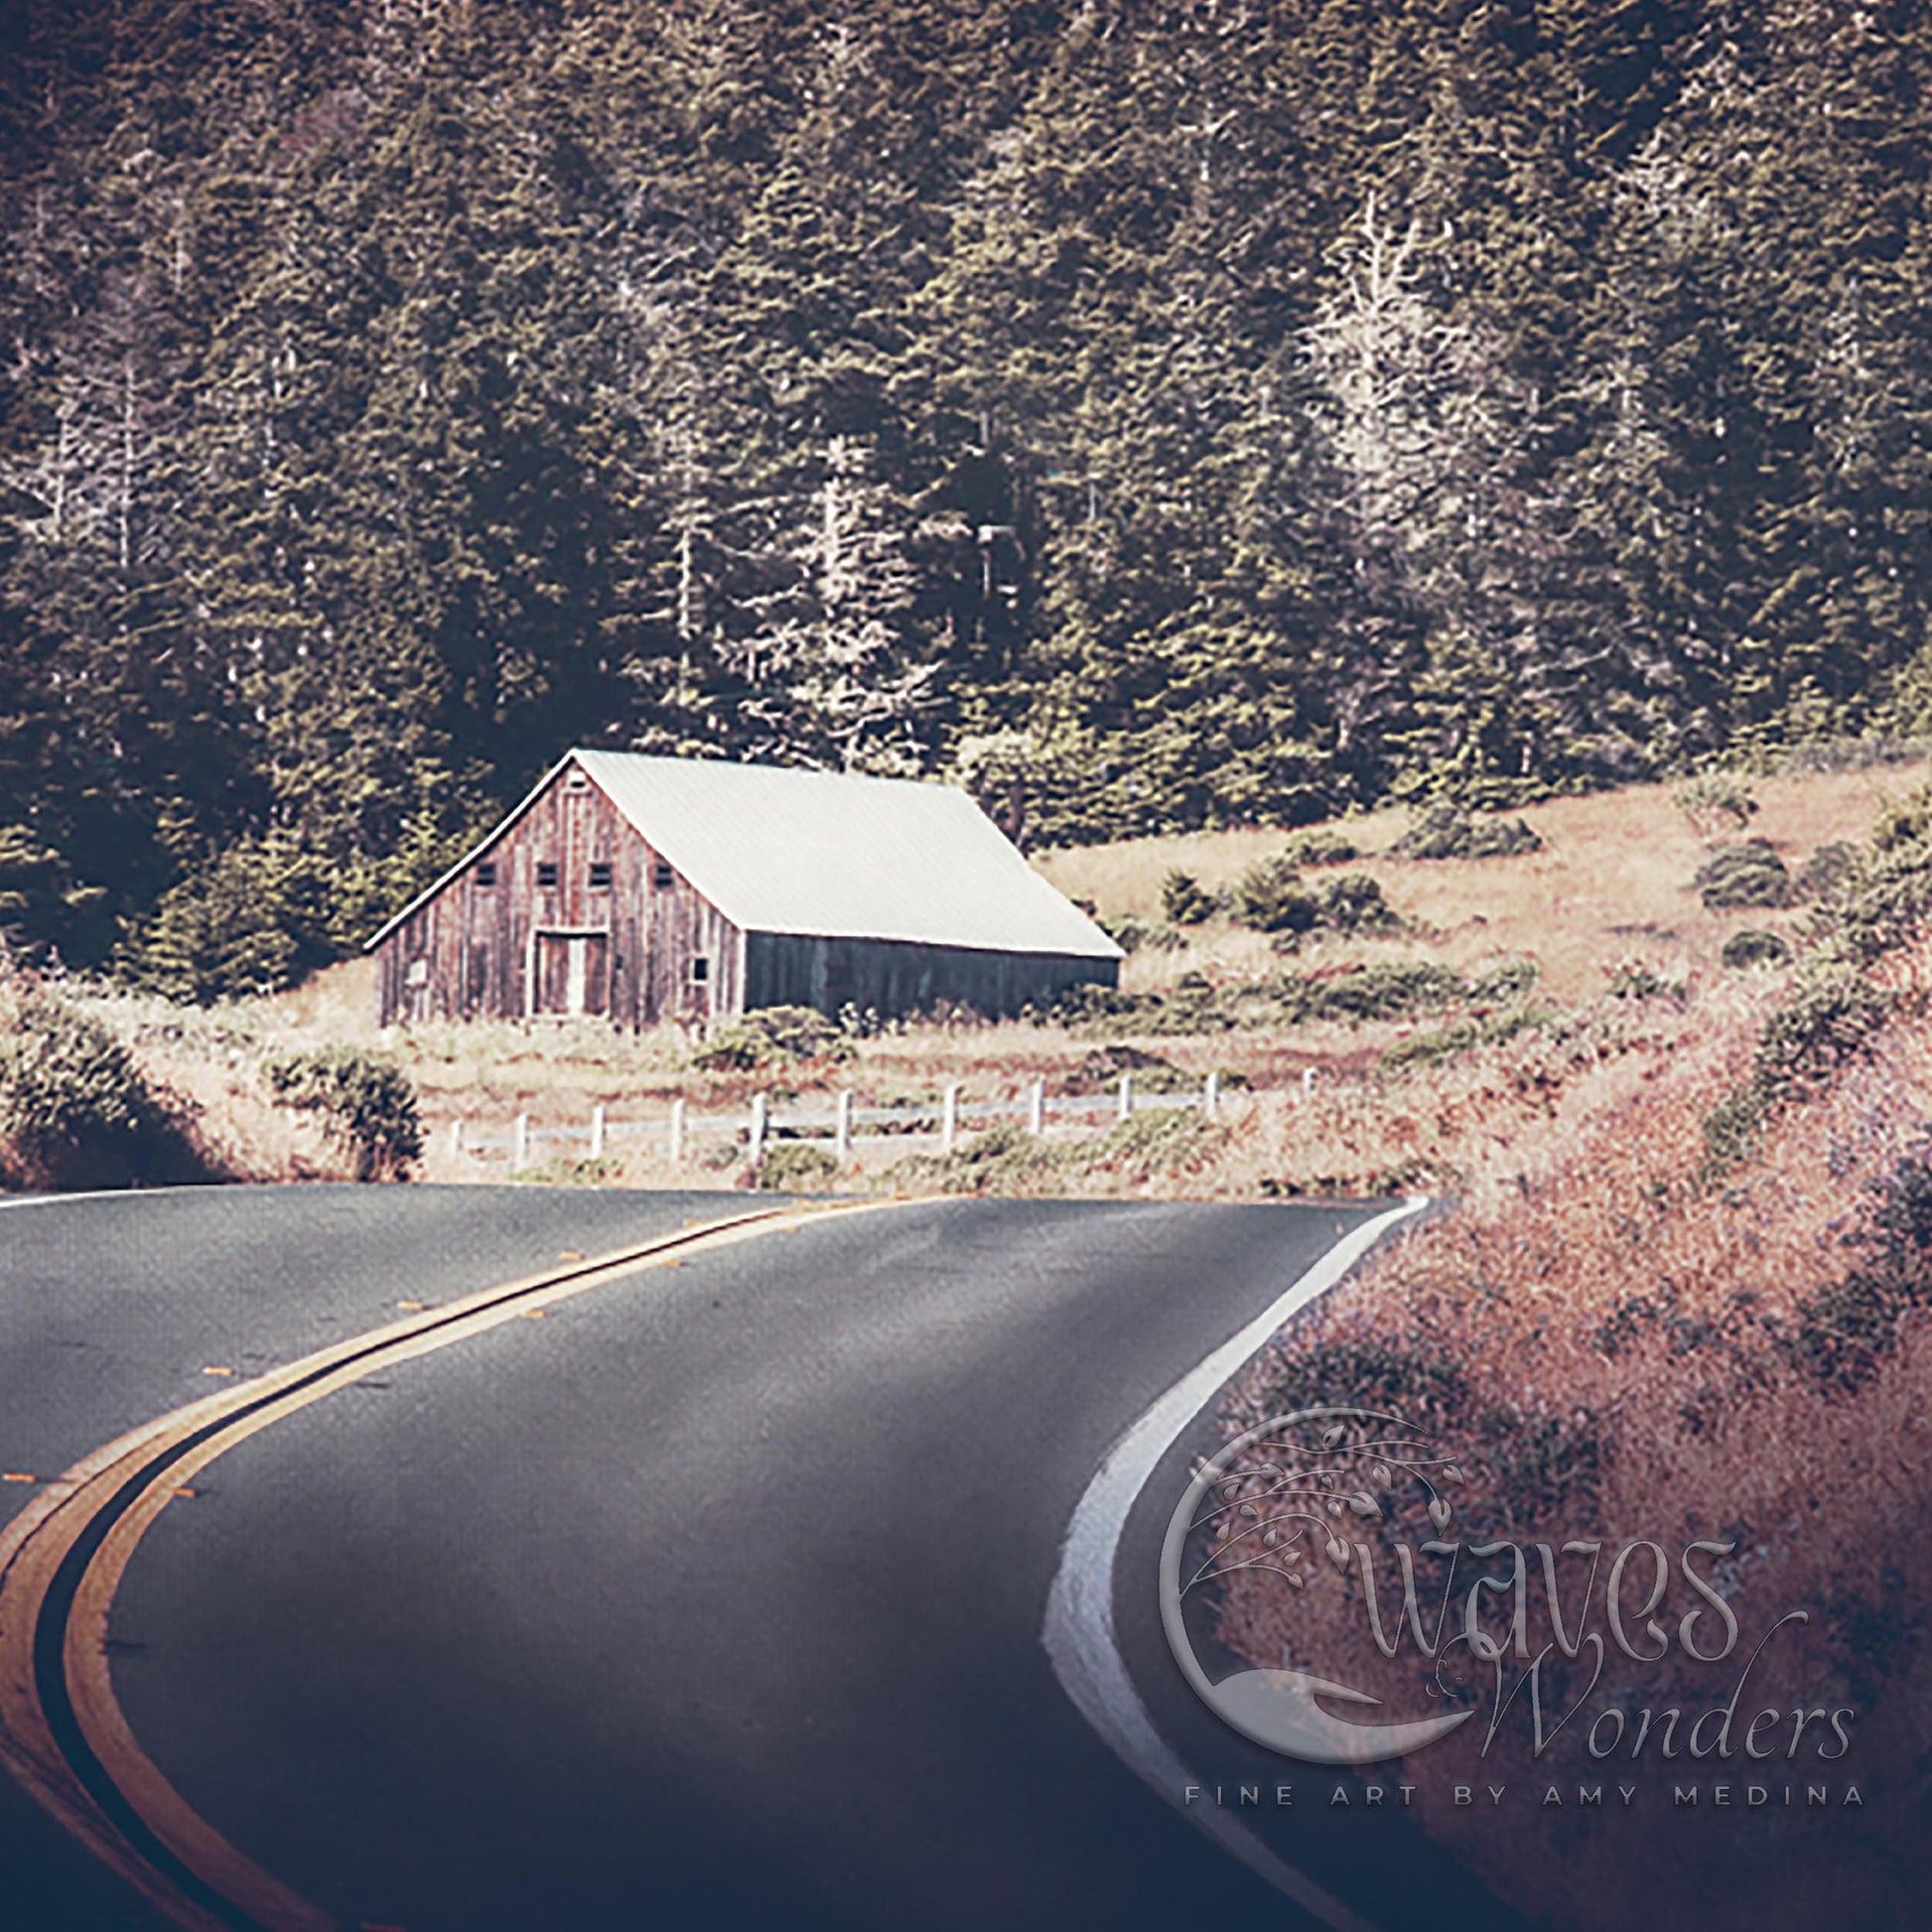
(691,890)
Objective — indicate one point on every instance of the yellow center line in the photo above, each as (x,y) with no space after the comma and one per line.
(34,1546)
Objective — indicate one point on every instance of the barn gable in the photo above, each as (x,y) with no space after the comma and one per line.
(649,888)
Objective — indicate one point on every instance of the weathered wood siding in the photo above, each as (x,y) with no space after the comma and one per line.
(503,950)
(894,977)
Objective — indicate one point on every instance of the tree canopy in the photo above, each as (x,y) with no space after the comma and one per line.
(1159,413)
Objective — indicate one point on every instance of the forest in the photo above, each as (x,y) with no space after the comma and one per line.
(1154,414)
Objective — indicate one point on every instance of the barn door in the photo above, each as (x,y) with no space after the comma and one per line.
(572,973)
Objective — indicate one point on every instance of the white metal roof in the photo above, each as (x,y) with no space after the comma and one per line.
(828,855)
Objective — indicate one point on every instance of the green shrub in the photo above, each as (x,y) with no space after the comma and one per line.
(76,1111)
(1353,904)
(992,1162)
(1827,869)
(1883,898)
(1829,1023)
(1714,798)
(1748,873)
(1446,1043)
(1151,1074)
(1633,980)
(563,1171)
(772,1037)
(794,1167)
(1182,899)
(1319,847)
(1383,989)
(1130,932)
(1271,898)
(1504,979)
(1751,946)
(1447,832)
(1839,1334)
(366,1103)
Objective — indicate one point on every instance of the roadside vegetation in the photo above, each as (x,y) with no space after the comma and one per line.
(1694,1308)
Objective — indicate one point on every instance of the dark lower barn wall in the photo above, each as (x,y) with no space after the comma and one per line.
(894,977)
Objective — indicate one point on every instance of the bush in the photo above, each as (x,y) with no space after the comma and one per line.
(1383,990)
(1130,933)
(793,1167)
(1747,874)
(367,1105)
(1447,832)
(1753,946)
(1828,1024)
(1714,798)
(1008,1160)
(1633,980)
(772,1037)
(1271,898)
(1841,1334)
(1151,1074)
(76,1111)
(563,1171)
(1353,904)
(1446,1043)
(1827,869)
(1883,898)
(1182,899)
(1320,847)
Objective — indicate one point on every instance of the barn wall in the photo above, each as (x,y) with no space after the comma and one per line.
(895,977)
(472,943)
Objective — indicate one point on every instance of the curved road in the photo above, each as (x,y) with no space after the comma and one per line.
(713,1599)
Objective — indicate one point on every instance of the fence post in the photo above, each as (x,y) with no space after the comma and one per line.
(756,1136)
(949,1119)
(1126,1104)
(1036,1108)
(1211,1097)
(597,1131)
(1308,1083)
(843,1133)
(456,1140)
(520,1144)
(677,1132)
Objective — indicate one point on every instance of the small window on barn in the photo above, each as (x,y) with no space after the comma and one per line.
(419,972)
(578,783)
(599,874)
(546,873)
(700,969)
(662,877)
(486,872)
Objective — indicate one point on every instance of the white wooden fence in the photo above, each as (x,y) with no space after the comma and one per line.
(837,1127)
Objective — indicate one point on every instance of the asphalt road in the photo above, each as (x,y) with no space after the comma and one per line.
(712,1599)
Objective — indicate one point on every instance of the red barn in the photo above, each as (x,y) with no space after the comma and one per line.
(690,890)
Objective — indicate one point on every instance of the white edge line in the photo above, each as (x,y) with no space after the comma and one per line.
(1078,1633)
(125,1193)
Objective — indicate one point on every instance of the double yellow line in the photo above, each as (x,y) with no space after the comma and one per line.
(63,1734)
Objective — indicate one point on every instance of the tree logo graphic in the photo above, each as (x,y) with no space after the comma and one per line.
(1284,1499)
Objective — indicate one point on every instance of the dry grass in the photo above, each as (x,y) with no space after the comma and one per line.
(1612,881)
